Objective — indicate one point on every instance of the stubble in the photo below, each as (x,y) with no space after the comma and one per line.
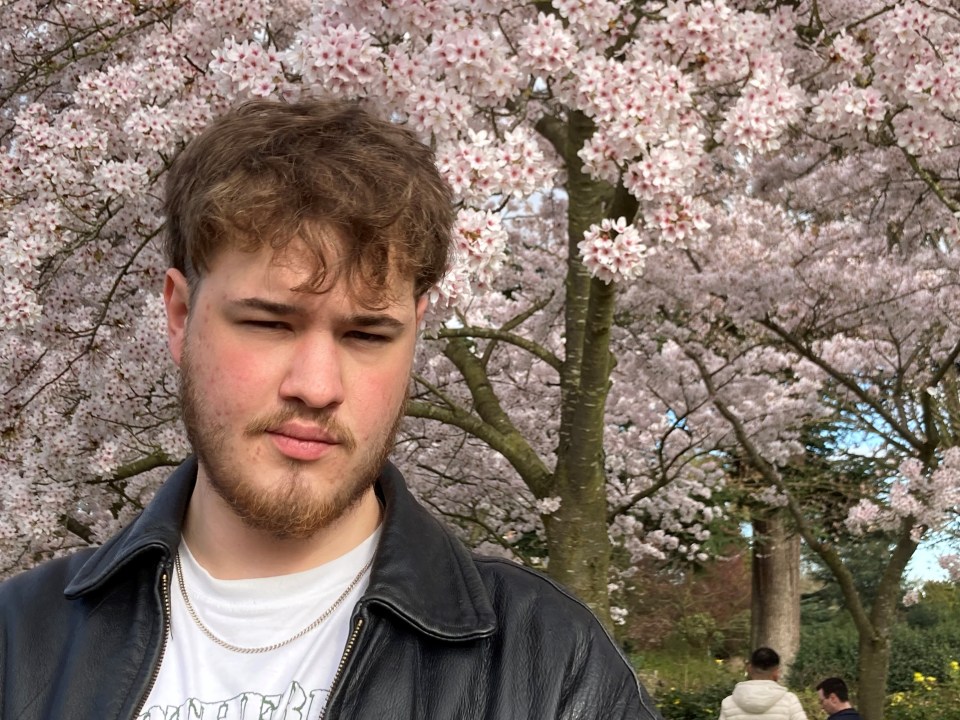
(296,503)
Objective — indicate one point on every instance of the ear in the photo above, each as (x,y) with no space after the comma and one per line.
(422,303)
(176,298)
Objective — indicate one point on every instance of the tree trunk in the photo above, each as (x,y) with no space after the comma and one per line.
(874,665)
(579,547)
(577,533)
(775,585)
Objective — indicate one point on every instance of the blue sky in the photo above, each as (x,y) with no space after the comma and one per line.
(924,564)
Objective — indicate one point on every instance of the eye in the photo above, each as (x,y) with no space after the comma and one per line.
(367,337)
(265,324)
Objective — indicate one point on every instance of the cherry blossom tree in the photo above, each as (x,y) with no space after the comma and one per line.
(681,227)
(828,294)
(874,355)
(99,96)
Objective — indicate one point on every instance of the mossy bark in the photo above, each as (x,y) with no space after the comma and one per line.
(775,586)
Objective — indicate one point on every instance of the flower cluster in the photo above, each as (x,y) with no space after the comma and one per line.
(479,245)
(247,68)
(342,60)
(613,251)
(479,166)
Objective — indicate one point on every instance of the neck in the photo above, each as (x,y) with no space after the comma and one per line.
(230,549)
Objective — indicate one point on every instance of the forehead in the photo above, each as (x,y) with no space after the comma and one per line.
(311,269)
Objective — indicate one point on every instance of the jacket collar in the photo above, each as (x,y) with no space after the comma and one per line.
(420,571)
(155,531)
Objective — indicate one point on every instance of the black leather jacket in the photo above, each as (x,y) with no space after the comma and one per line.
(439,634)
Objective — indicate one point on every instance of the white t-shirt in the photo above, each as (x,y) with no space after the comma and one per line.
(201,680)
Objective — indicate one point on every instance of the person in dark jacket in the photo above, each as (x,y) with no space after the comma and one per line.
(835,700)
(285,571)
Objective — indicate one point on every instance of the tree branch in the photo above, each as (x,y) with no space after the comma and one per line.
(845,381)
(512,446)
(771,475)
(523,343)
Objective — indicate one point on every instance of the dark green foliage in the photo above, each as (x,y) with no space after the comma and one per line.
(699,704)
(865,557)
(940,604)
(925,642)
(925,650)
(830,479)
(701,633)
(826,650)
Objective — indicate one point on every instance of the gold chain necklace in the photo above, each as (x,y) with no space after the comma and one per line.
(266,648)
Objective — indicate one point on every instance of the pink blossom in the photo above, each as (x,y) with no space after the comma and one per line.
(613,250)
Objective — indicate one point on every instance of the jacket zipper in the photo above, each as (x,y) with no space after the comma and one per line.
(343,663)
(167,615)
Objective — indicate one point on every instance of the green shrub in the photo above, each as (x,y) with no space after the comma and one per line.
(734,640)
(930,696)
(700,704)
(830,649)
(697,631)
(826,650)
(921,649)
(684,670)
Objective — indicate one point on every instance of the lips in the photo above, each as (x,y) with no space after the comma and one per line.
(307,433)
(302,442)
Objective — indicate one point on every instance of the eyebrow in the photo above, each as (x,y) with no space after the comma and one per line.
(285,309)
(381,321)
(267,306)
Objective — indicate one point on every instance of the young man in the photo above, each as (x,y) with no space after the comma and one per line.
(835,700)
(286,572)
(762,697)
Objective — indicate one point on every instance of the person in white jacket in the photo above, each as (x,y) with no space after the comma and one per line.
(762,697)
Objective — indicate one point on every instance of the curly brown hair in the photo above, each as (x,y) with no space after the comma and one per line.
(327,172)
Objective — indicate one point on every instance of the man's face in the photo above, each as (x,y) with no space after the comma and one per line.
(829,703)
(291,398)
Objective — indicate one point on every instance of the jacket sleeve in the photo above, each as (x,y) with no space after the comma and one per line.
(796,709)
(604,686)
(723,710)
(610,698)
(550,656)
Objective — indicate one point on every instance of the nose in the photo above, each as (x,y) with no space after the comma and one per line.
(314,372)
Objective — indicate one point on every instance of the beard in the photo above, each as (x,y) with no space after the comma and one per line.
(293,505)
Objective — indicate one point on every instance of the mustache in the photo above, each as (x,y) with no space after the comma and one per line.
(321,419)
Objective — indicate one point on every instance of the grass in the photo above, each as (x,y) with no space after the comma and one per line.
(662,670)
